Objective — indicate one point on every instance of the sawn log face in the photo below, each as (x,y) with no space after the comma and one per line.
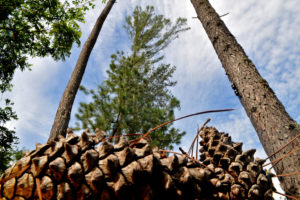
(76,168)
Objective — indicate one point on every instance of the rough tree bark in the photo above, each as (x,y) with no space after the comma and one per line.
(63,113)
(272,123)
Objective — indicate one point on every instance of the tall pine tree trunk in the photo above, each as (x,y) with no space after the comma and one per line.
(272,123)
(63,113)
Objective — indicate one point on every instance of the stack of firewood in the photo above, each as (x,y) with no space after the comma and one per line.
(77,168)
(239,175)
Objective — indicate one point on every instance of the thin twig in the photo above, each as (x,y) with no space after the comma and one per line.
(224,15)
(192,152)
(197,143)
(168,122)
(182,151)
(134,141)
(273,165)
(116,136)
(191,149)
(288,196)
(284,146)
(290,174)
(283,156)
(197,135)
(185,154)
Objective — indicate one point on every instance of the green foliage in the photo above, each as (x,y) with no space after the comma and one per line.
(8,157)
(6,114)
(38,28)
(33,28)
(7,136)
(136,95)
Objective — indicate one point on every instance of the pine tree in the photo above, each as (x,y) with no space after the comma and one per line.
(136,95)
(273,124)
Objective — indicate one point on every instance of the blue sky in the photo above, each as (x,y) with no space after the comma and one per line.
(268,32)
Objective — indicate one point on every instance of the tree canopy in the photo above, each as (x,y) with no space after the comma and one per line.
(38,28)
(30,28)
(136,95)
(8,156)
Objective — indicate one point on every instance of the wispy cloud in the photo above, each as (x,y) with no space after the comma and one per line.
(269,33)
(32,95)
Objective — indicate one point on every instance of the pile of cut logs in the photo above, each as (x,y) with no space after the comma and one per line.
(77,168)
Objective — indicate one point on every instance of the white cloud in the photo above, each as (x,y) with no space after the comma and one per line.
(267,32)
(32,97)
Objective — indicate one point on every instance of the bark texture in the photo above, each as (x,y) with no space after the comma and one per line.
(272,123)
(63,113)
(75,168)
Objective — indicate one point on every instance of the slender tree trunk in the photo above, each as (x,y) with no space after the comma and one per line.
(272,123)
(63,113)
(116,128)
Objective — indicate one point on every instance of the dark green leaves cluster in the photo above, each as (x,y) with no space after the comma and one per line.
(37,28)
(7,136)
(33,28)
(6,114)
(8,156)
(136,95)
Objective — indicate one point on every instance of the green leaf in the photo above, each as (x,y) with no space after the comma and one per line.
(33,28)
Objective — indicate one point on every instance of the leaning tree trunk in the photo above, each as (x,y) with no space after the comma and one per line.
(272,123)
(63,113)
